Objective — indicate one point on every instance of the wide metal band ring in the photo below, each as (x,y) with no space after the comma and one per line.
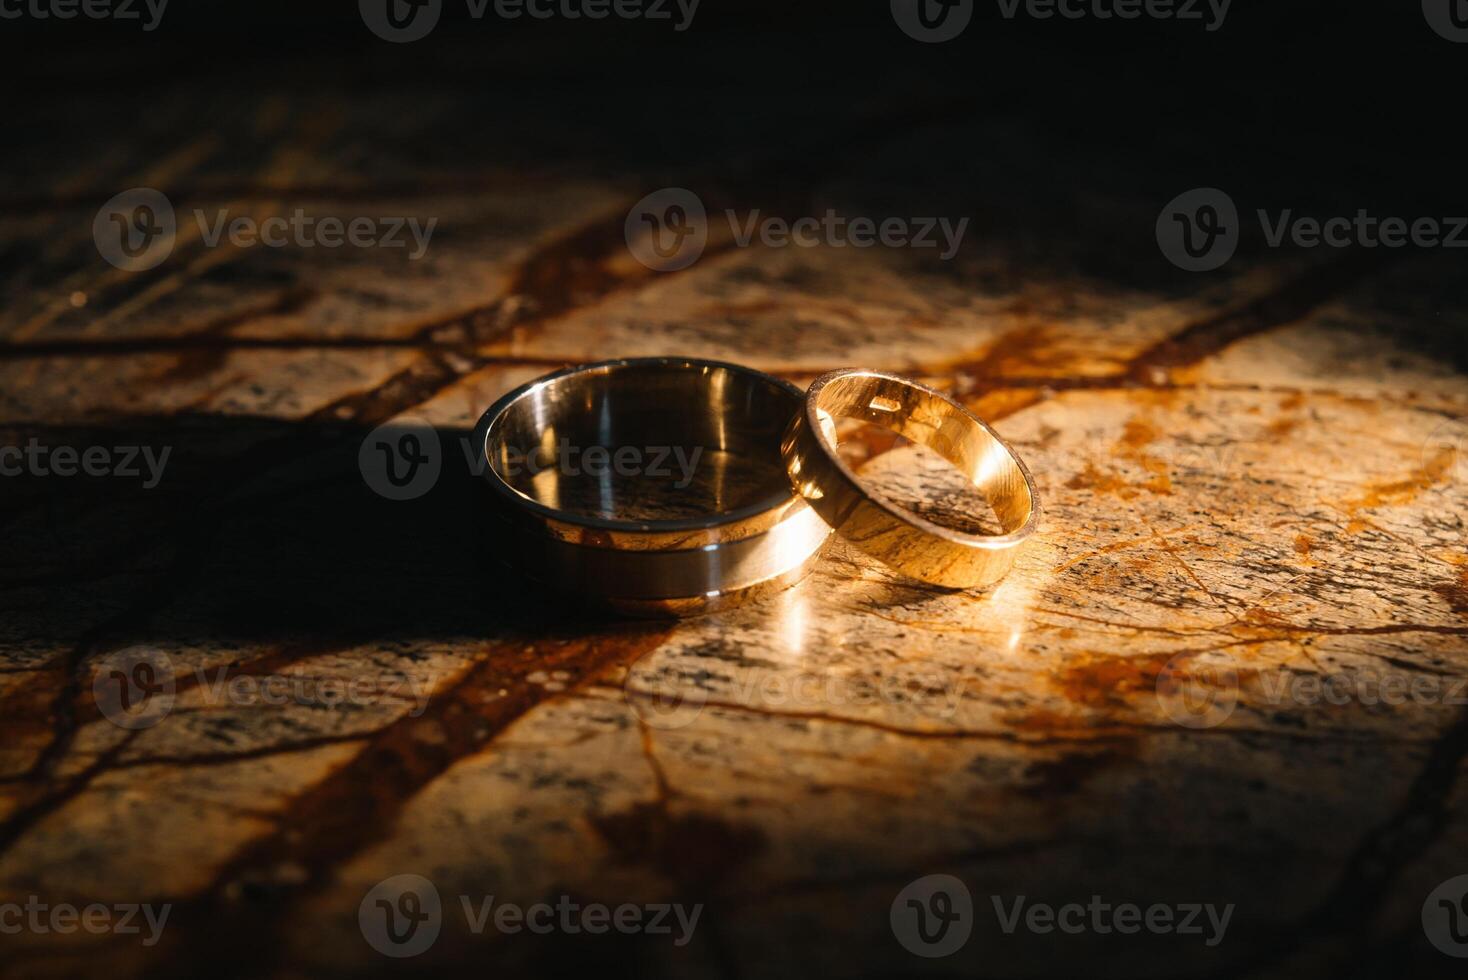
(651,485)
(894,535)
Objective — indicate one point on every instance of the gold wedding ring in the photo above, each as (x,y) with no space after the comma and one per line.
(907,542)
(588,499)
(652,485)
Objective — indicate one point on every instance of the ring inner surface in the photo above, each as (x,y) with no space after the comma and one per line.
(935,423)
(647,443)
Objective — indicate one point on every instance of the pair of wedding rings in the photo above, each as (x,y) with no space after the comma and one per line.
(675,485)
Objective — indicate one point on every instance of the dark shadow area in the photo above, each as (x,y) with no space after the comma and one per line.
(259,530)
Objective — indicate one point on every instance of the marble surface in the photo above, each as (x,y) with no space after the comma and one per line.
(1255,480)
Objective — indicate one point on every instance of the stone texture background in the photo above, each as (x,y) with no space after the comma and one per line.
(1250,477)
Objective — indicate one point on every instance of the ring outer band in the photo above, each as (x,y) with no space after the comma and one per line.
(653,568)
(897,537)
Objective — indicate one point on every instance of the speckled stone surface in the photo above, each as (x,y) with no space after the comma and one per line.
(1253,480)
